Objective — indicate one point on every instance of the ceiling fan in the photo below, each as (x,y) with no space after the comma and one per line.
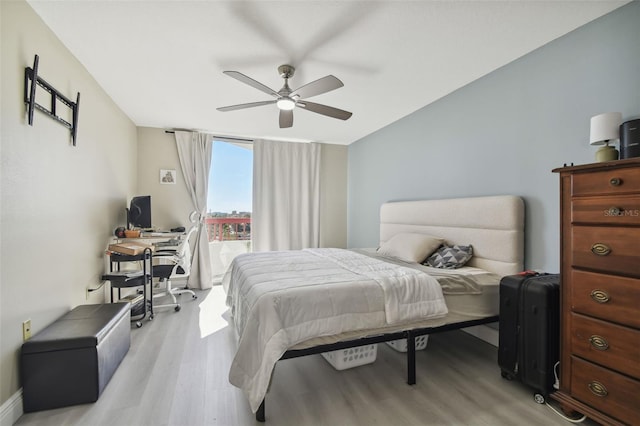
(286,99)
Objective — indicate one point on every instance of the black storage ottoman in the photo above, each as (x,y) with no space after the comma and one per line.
(72,360)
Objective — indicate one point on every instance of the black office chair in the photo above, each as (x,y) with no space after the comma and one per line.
(174,264)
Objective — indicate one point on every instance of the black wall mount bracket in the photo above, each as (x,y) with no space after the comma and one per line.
(31,81)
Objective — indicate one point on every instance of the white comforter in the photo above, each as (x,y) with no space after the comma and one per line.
(279,299)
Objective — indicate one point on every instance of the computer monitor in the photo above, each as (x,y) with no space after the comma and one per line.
(139,212)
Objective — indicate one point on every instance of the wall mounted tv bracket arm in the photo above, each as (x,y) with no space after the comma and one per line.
(31,75)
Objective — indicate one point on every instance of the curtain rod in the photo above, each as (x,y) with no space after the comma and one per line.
(223,138)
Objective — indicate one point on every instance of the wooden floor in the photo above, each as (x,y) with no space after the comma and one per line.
(176,374)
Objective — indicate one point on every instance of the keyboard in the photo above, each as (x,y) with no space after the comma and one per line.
(169,243)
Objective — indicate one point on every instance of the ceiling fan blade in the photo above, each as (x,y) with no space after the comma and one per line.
(325,110)
(243,106)
(251,82)
(286,118)
(318,87)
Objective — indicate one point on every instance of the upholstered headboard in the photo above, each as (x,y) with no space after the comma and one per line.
(494,226)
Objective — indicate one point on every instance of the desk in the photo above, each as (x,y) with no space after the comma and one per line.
(153,237)
(169,247)
(160,240)
(129,279)
(161,234)
(152,234)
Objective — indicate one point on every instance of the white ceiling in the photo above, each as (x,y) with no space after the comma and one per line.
(162,61)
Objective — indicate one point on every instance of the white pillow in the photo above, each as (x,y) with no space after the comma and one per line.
(410,247)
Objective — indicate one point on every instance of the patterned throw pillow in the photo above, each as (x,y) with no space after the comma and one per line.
(450,257)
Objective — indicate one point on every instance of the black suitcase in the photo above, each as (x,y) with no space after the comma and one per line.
(529,334)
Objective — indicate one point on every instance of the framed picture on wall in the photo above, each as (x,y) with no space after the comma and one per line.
(167,177)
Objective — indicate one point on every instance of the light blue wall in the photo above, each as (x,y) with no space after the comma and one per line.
(504,133)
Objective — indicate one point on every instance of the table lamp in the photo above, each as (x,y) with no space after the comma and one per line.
(605,128)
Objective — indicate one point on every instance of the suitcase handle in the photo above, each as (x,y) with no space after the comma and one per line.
(599,342)
(600,249)
(597,388)
(600,296)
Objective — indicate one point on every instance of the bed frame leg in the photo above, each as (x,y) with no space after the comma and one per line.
(260,413)
(411,358)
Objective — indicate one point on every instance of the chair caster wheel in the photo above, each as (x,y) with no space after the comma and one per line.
(194,296)
(538,398)
(177,308)
(138,324)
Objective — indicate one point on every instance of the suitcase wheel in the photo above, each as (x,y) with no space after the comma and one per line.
(539,398)
(506,375)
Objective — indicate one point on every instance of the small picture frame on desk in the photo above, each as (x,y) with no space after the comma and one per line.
(167,177)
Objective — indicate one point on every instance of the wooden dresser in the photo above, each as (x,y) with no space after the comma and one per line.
(600,291)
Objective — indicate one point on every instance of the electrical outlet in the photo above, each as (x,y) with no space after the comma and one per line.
(26,330)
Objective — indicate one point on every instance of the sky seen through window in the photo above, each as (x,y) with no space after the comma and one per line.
(230,178)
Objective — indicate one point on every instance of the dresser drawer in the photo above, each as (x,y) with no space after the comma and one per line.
(607,297)
(610,249)
(610,392)
(606,344)
(621,181)
(617,210)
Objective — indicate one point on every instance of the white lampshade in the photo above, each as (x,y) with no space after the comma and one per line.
(605,127)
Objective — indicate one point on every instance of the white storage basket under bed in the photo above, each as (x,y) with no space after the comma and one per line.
(401,344)
(351,357)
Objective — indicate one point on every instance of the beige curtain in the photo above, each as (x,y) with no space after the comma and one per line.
(194,150)
(286,196)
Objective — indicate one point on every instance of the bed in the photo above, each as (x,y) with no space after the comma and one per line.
(291,304)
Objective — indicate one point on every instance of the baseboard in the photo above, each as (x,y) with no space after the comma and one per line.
(483,332)
(11,410)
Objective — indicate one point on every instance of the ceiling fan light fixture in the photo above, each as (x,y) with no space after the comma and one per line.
(286,104)
(287,100)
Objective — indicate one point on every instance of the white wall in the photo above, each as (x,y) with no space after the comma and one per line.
(333,195)
(59,203)
(170,204)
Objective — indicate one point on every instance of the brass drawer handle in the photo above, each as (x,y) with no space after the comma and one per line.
(600,296)
(597,389)
(600,249)
(615,211)
(615,181)
(599,343)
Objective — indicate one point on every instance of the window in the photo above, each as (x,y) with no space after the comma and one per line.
(229,203)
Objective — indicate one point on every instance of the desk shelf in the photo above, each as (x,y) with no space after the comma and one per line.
(120,279)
